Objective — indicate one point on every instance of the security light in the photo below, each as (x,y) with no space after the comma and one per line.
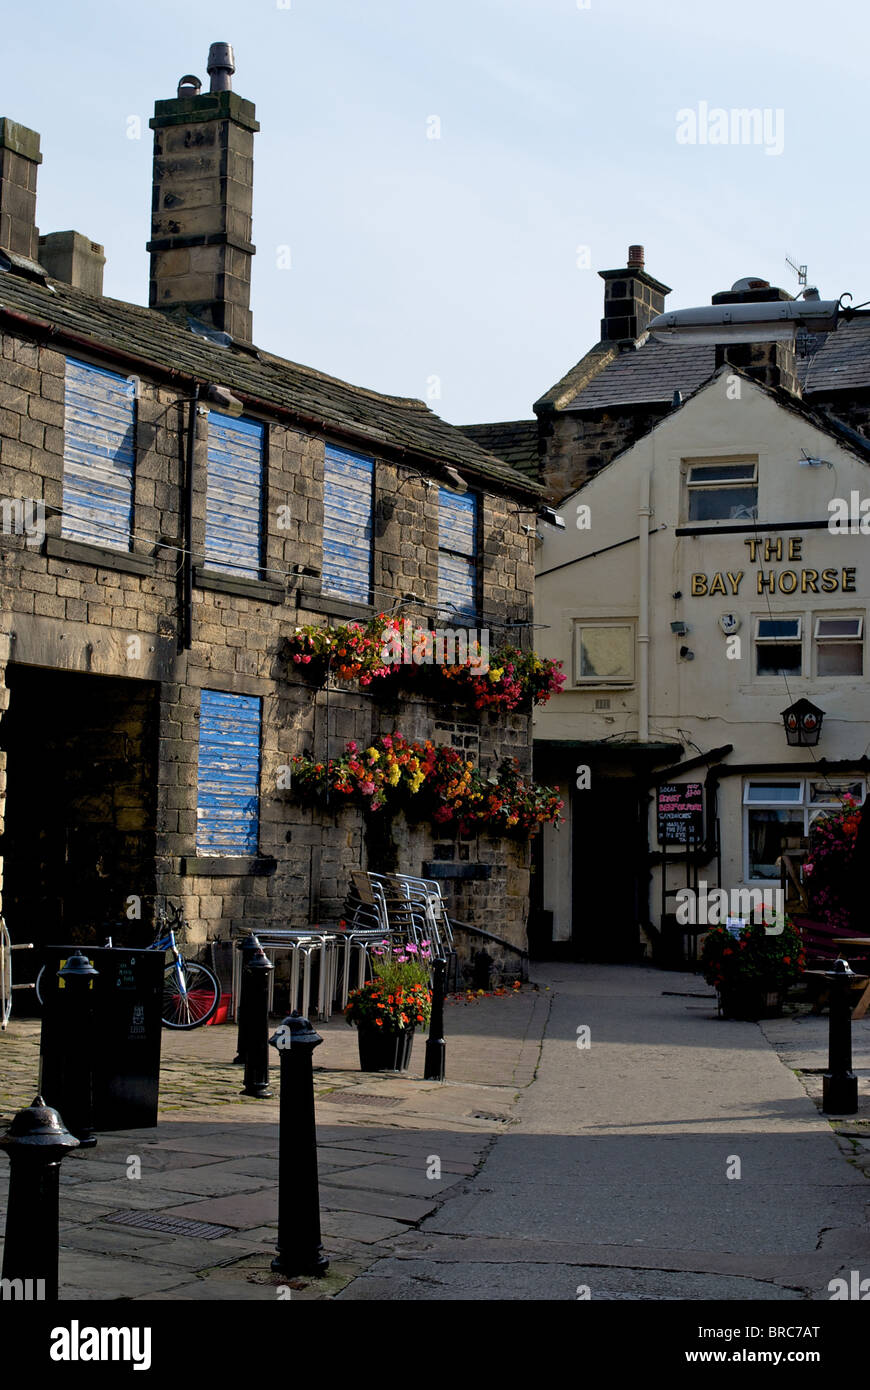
(551,517)
(454,482)
(224,400)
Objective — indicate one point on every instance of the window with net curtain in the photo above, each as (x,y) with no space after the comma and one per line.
(604,653)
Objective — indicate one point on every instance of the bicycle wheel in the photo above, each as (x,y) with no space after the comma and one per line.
(39,979)
(5,975)
(194,1003)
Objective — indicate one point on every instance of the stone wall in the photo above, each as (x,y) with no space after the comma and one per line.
(65,607)
(579,445)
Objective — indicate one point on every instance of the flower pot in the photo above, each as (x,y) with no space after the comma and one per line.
(380,1050)
(749,1002)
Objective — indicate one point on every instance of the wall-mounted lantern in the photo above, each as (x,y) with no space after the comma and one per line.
(803,723)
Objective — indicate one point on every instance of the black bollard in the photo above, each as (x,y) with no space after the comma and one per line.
(36,1142)
(248,948)
(839,1083)
(70,1036)
(299,1247)
(255,989)
(436,1048)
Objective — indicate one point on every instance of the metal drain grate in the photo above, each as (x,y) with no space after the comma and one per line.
(168,1225)
(361,1098)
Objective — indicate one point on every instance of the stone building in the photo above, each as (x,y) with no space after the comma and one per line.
(650,699)
(626,382)
(708,579)
(175,502)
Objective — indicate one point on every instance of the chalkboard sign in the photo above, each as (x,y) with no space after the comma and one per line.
(679,809)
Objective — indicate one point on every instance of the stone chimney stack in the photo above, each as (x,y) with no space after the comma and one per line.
(74,259)
(19,161)
(771,364)
(631,299)
(200,243)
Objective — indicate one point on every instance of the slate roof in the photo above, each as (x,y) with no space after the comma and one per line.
(651,373)
(322,401)
(515,441)
(646,375)
(842,362)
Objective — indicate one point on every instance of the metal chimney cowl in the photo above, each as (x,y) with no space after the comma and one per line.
(220,67)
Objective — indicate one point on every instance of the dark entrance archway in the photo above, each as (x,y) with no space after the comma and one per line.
(81,801)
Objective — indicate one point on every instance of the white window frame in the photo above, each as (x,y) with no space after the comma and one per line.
(710,466)
(796,641)
(801,806)
(841,639)
(603,682)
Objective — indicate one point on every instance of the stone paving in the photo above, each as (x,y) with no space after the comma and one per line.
(212,1159)
(483,1187)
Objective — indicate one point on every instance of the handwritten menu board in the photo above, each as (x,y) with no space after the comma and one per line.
(679,812)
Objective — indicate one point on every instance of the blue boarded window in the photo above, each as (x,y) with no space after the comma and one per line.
(457,555)
(98,453)
(234,495)
(347,524)
(228,776)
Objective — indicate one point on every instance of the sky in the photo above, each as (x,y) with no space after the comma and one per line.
(436,184)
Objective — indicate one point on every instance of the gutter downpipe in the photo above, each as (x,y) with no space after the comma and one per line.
(644,513)
(187,623)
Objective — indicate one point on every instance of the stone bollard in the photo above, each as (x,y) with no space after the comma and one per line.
(299,1246)
(248,948)
(255,991)
(436,1048)
(839,1083)
(36,1142)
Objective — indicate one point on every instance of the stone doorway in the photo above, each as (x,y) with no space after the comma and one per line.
(81,799)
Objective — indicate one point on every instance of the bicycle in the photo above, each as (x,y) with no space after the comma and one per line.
(191,992)
(6,985)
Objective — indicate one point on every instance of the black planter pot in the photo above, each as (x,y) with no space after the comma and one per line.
(749,1003)
(383,1051)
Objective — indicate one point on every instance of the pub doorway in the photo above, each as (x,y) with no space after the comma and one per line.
(607,856)
(81,794)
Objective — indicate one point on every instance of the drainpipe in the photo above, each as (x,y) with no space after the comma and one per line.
(187,616)
(644,514)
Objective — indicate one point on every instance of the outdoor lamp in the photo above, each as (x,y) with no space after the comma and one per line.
(803,723)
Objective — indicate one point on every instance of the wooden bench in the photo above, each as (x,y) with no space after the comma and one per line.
(823,944)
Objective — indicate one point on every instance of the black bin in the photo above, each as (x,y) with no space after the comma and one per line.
(128,1003)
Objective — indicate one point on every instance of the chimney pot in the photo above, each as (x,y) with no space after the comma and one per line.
(189,86)
(221,66)
(631,298)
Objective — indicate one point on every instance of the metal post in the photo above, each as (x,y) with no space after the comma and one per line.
(436,1048)
(839,1083)
(71,1035)
(299,1247)
(248,948)
(36,1142)
(255,987)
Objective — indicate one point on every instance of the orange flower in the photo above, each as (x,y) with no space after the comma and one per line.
(379,1023)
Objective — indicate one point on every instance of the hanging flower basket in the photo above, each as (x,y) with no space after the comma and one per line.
(428,782)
